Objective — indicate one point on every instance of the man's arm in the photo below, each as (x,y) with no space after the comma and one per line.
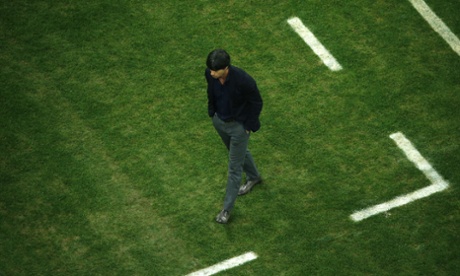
(211,109)
(254,105)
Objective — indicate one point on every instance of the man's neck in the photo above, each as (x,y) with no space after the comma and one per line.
(224,77)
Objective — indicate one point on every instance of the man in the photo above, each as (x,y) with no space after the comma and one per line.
(234,103)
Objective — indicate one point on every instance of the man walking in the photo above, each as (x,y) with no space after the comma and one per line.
(234,103)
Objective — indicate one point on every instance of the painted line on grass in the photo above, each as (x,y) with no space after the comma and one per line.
(438,184)
(437,24)
(314,44)
(415,157)
(230,263)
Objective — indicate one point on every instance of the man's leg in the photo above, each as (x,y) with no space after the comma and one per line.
(221,129)
(237,153)
(250,168)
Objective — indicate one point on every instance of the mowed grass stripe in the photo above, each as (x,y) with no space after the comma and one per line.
(132,222)
(128,222)
(137,108)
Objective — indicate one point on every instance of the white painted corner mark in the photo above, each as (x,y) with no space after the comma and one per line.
(415,157)
(438,184)
(314,44)
(230,263)
(437,24)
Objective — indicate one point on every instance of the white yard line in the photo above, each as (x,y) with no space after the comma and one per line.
(314,44)
(415,157)
(230,263)
(438,183)
(437,24)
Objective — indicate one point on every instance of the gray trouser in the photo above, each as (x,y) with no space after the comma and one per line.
(240,159)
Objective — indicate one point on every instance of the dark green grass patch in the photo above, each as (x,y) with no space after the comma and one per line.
(110,165)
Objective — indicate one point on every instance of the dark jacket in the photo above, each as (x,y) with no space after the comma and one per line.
(246,102)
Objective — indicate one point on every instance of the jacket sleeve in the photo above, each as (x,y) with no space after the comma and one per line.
(254,105)
(211,108)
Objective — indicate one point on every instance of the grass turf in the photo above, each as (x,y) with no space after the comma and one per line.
(110,165)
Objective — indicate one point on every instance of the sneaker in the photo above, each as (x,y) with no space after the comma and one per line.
(223,217)
(246,188)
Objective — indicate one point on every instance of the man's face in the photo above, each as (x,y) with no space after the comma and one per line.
(219,73)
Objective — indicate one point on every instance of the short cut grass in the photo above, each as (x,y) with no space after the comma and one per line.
(110,165)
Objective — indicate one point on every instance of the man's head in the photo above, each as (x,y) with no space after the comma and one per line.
(217,60)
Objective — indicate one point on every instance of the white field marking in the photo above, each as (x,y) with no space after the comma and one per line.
(438,184)
(230,263)
(314,44)
(437,24)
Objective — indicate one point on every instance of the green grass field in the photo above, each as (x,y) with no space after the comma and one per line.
(110,165)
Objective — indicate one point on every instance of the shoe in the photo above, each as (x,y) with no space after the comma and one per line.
(246,188)
(223,217)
